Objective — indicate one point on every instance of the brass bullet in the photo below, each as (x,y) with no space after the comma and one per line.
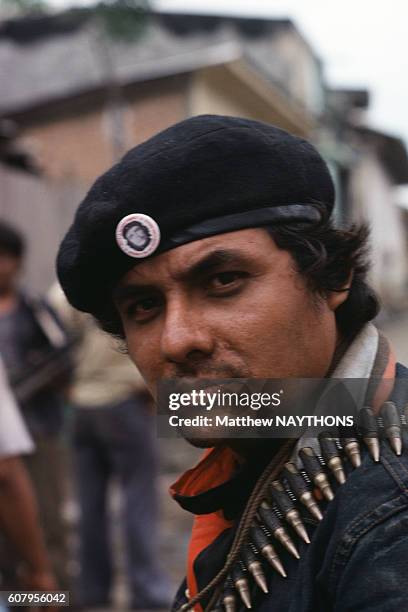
(392,426)
(301,489)
(252,562)
(373,446)
(271,556)
(284,538)
(396,444)
(293,518)
(268,516)
(368,428)
(287,507)
(261,541)
(255,568)
(316,472)
(242,587)
(336,467)
(311,504)
(230,603)
(331,455)
(322,482)
(352,450)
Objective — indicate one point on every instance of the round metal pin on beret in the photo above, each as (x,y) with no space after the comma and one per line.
(138,235)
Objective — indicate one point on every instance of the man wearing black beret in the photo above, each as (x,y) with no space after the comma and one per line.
(237,271)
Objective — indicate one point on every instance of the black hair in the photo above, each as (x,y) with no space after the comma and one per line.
(326,256)
(11,241)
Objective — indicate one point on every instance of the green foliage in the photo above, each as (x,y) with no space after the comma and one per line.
(24,7)
(122,19)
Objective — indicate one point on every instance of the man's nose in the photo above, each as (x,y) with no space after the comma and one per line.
(185,334)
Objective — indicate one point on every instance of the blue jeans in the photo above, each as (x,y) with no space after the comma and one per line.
(118,440)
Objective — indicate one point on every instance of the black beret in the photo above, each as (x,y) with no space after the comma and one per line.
(203,176)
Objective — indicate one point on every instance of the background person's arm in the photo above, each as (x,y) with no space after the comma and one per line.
(19,523)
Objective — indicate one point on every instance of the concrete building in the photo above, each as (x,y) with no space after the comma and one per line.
(380,167)
(367,166)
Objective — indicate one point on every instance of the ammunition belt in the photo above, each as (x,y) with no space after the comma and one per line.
(281,491)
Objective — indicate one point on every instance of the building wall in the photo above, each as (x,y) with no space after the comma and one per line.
(74,146)
(82,139)
(42,211)
(221,91)
(81,144)
(373,196)
(216,90)
(302,72)
(70,147)
(157,107)
(291,64)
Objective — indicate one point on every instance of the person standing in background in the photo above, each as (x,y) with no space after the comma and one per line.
(33,348)
(112,437)
(19,522)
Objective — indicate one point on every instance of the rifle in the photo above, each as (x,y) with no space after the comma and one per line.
(54,365)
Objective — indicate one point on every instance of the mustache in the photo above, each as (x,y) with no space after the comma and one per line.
(207,370)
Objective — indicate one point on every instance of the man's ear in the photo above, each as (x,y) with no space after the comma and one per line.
(335,298)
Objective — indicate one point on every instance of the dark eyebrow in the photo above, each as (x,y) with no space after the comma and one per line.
(213,260)
(210,262)
(126,292)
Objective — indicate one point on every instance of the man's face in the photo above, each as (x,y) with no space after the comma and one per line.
(9,270)
(228,306)
(136,236)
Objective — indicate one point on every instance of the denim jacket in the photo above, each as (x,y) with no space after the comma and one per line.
(357,560)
